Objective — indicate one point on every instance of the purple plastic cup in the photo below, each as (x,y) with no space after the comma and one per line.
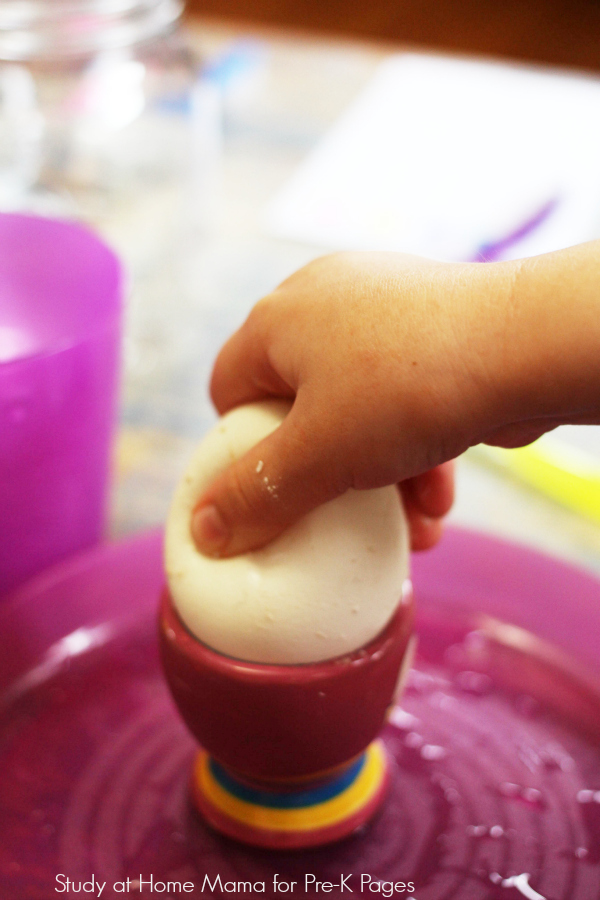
(60,313)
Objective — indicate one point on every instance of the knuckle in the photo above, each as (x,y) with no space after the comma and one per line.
(261,312)
(260,322)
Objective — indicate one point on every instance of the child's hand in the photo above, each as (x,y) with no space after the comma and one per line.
(396,365)
(388,380)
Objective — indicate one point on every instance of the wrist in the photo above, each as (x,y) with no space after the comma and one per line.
(553,327)
(486,317)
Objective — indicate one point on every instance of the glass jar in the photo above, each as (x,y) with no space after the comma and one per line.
(103,117)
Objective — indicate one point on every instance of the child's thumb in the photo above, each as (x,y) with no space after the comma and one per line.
(283,477)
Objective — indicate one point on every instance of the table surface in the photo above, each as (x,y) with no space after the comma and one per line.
(177,322)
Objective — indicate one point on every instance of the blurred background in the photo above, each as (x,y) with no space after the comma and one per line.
(220,145)
(562,32)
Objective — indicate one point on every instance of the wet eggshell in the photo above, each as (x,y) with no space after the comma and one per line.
(327,586)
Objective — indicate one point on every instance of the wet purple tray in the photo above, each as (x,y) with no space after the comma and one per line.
(495,787)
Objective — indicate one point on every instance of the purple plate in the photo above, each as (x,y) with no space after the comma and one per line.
(495,756)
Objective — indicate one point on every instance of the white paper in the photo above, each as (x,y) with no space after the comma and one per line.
(442,157)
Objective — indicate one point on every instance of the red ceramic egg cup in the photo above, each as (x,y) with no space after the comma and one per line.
(289,755)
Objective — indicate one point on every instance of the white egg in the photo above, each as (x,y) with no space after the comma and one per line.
(327,586)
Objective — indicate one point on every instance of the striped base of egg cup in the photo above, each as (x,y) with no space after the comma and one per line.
(290,756)
(291,817)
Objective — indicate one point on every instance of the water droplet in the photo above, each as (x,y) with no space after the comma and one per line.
(477,831)
(508,789)
(581,852)
(432,752)
(444,782)
(521,883)
(585,796)
(496,831)
(439,700)
(476,642)
(402,719)
(474,683)
(533,796)
(529,795)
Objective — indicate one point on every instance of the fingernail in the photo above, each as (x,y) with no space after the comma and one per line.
(209,531)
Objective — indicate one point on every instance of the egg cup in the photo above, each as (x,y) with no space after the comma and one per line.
(289,754)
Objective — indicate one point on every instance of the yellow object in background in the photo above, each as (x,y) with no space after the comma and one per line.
(563,472)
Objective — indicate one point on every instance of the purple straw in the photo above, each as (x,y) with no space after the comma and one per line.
(496,249)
